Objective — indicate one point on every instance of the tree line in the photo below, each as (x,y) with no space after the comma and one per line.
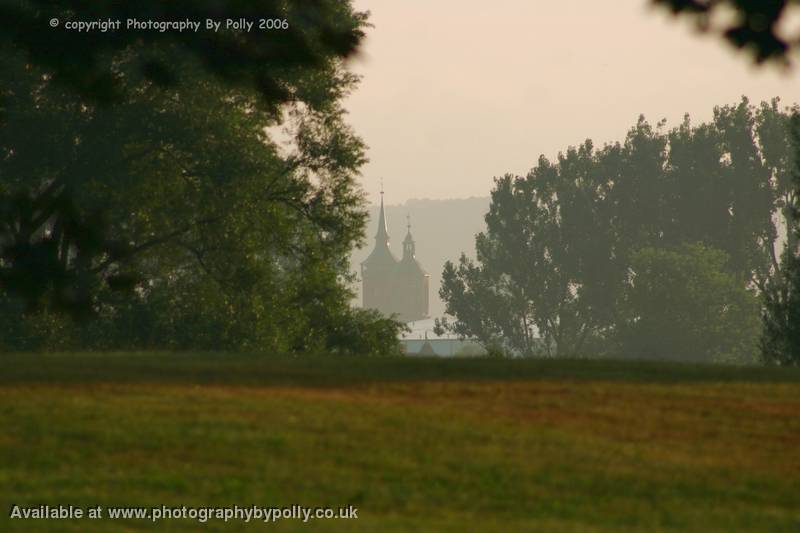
(675,243)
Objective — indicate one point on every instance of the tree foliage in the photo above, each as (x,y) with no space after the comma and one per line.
(171,217)
(762,28)
(780,341)
(297,63)
(755,26)
(685,304)
(557,257)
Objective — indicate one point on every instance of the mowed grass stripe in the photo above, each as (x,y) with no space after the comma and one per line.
(262,369)
(413,453)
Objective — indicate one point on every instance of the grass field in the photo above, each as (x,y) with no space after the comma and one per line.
(413,444)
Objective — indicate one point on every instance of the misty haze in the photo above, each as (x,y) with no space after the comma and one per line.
(381,265)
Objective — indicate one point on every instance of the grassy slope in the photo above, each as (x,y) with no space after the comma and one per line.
(416,445)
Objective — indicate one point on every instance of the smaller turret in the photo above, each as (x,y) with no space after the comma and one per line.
(408,242)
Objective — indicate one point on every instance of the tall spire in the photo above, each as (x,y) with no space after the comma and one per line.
(381,256)
(383,234)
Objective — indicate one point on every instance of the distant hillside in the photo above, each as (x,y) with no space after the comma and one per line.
(442,230)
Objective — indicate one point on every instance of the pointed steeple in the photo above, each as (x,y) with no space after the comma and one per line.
(381,255)
(382,237)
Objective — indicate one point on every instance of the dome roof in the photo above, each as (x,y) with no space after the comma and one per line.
(410,265)
(381,256)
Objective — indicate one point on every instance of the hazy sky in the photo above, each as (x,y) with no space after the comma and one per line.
(455,92)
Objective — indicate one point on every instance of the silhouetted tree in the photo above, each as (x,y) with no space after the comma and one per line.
(556,260)
(778,152)
(757,28)
(780,341)
(543,266)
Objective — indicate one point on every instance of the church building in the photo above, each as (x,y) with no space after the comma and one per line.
(392,286)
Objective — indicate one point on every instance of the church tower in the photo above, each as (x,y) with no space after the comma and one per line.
(377,271)
(394,287)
